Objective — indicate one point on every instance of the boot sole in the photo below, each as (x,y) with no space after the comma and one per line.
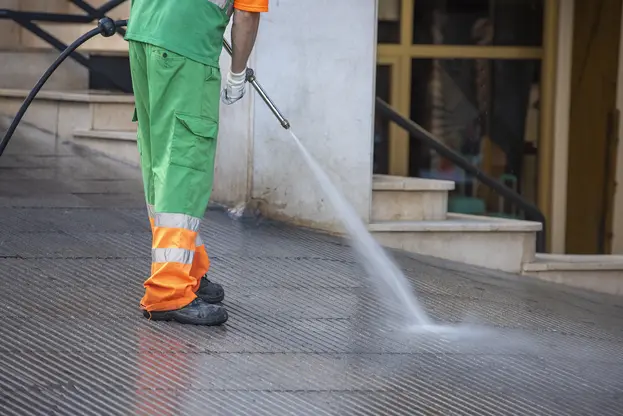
(208,298)
(171,316)
(211,300)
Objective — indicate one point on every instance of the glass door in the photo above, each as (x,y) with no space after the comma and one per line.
(470,72)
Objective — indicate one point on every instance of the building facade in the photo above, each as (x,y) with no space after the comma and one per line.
(316,60)
(527,90)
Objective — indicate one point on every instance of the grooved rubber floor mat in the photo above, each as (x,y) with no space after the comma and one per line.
(307,334)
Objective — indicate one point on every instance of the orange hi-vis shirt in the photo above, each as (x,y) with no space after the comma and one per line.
(192,28)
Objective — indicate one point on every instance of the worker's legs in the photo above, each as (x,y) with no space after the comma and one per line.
(179,101)
(138,69)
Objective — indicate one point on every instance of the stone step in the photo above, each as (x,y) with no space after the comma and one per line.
(88,96)
(120,145)
(493,243)
(21,69)
(598,273)
(63,112)
(69,32)
(114,116)
(124,136)
(396,198)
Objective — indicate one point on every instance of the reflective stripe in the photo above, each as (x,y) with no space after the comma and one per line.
(151,211)
(198,241)
(177,221)
(172,255)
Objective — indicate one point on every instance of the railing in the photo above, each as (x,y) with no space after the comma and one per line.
(418,132)
(101,12)
(27,19)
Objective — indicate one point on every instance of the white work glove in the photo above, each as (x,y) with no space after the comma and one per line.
(234,88)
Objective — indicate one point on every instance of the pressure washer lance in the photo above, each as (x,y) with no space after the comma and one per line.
(251,79)
(107,28)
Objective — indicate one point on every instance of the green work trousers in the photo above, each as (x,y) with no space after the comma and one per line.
(177,110)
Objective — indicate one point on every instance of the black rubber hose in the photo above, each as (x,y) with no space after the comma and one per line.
(106,27)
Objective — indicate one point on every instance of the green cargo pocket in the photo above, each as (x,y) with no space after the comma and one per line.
(194,142)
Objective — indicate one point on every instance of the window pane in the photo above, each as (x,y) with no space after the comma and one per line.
(485,110)
(389,21)
(478,22)
(381,126)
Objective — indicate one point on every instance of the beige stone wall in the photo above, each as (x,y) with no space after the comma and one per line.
(15,38)
(24,57)
(21,70)
(9,31)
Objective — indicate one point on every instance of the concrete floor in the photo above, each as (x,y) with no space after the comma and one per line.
(303,337)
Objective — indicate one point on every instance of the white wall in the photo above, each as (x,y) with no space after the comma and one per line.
(316,59)
(234,157)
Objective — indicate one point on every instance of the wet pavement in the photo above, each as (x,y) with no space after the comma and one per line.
(304,335)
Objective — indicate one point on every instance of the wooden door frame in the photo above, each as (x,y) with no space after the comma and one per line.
(617,221)
(574,238)
(397,136)
(405,51)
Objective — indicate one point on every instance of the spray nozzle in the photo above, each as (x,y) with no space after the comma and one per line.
(250,75)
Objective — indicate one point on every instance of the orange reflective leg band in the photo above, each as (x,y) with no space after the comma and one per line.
(171,284)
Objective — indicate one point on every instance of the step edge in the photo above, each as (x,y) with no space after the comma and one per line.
(68,96)
(449,225)
(115,135)
(562,267)
(400,183)
(572,262)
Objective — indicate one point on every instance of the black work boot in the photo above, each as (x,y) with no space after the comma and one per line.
(197,312)
(209,291)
